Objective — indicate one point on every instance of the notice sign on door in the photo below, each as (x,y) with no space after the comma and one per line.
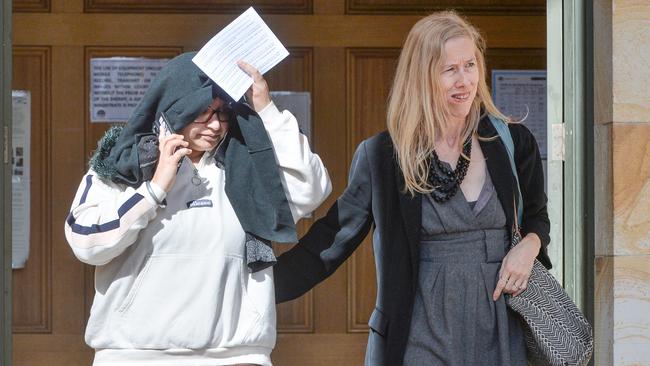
(521,94)
(299,104)
(117,84)
(21,131)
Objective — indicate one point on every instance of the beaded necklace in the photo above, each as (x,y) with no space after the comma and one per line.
(445,182)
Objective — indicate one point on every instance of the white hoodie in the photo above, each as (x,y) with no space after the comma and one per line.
(172,285)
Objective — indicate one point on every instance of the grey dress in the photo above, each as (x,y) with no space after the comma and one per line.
(455,321)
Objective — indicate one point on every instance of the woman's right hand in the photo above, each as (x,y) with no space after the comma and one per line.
(171,149)
(258,95)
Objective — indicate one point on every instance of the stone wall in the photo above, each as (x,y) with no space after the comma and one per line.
(622,159)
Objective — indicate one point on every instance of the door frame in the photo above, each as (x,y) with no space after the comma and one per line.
(576,186)
(568,116)
(5,185)
(555,127)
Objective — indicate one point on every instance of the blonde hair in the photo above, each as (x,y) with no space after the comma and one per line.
(417,109)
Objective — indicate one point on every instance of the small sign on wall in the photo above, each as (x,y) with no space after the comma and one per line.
(117,84)
(20,176)
(522,94)
(299,104)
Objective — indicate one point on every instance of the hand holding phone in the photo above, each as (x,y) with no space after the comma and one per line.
(172,150)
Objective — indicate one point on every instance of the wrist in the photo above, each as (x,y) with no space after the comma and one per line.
(156,193)
(266,108)
(159,182)
(533,242)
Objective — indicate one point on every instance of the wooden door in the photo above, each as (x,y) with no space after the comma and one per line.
(342,51)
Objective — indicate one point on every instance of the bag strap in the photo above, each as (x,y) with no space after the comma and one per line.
(506,137)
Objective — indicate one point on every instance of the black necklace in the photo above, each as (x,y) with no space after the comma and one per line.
(445,182)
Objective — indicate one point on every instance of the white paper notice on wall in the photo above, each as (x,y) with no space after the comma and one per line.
(299,104)
(522,93)
(117,84)
(246,38)
(20,176)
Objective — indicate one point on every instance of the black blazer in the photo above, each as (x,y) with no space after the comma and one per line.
(375,196)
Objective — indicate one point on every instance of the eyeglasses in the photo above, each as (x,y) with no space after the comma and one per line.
(223,115)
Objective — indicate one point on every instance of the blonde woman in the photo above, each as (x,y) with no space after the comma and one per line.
(439,191)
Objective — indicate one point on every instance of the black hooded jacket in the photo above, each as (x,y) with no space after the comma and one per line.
(182,91)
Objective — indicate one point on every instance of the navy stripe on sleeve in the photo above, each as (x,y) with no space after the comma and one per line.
(89,182)
(108,226)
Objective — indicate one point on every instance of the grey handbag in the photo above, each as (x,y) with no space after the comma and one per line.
(556,332)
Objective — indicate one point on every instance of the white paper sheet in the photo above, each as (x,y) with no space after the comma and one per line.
(20,176)
(246,38)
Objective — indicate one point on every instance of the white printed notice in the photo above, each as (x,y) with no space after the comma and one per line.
(117,84)
(246,38)
(20,176)
(522,93)
(299,104)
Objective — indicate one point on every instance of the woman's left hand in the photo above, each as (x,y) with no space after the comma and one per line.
(517,266)
(257,95)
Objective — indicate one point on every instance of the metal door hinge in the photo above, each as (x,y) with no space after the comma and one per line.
(557,141)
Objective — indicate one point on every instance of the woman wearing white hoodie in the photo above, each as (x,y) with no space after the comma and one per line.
(179,224)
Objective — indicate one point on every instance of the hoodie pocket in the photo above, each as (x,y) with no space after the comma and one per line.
(182,301)
(259,294)
(128,300)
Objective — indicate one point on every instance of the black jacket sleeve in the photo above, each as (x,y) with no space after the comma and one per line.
(531,182)
(331,239)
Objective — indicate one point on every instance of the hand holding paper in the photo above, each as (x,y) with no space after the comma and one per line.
(258,94)
(246,38)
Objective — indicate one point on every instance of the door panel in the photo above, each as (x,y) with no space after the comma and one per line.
(31,5)
(198,6)
(345,61)
(32,311)
(369,74)
(420,6)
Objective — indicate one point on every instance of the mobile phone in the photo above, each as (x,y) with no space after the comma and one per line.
(162,122)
